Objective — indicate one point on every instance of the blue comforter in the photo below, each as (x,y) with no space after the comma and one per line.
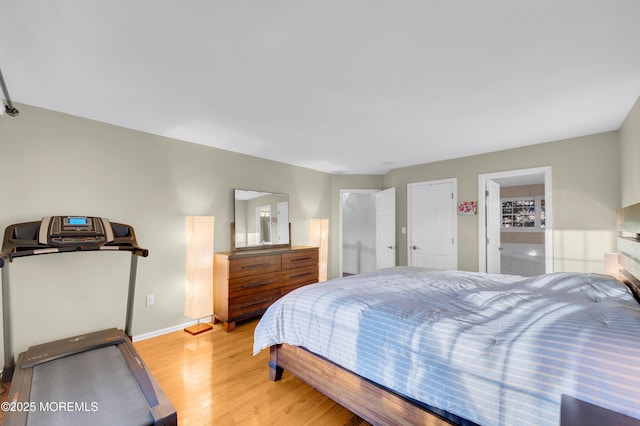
(493,349)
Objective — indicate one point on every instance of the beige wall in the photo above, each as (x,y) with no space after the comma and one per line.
(630,157)
(56,164)
(585,182)
(521,191)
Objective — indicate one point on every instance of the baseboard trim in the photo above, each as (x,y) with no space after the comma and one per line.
(167,330)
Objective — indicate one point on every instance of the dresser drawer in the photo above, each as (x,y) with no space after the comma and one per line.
(288,289)
(253,284)
(298,260)
(251,305)
(307,274)
(243,267)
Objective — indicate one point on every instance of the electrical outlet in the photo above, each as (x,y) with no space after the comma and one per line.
(150,299)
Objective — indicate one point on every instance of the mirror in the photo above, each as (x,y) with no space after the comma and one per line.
(261,219)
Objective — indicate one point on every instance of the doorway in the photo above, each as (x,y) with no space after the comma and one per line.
(367,230)
(515,222)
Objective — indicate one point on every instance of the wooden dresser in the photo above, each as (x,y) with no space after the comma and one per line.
(246,283)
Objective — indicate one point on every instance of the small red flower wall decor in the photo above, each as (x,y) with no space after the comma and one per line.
(467,208)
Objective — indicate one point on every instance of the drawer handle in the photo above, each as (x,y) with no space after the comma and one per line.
(257,284)
(256,265)
(299,259)
(259,302)
(301,275)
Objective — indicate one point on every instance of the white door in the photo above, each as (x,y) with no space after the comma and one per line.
(493,219)
(283,222)
(386,228)
(432,224)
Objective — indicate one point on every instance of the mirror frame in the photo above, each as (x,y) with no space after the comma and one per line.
(233,245)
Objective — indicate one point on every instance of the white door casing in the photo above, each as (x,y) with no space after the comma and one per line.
(432,224)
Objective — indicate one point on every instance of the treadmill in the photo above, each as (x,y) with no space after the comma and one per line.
(96,378)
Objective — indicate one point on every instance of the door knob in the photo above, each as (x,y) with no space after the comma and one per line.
(414,247)
(390,247)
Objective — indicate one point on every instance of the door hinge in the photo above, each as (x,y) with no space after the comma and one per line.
(486,193)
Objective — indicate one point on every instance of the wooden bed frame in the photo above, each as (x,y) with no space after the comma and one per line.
(368,400)
(381,406)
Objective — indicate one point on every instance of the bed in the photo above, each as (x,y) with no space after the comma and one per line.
(408,345)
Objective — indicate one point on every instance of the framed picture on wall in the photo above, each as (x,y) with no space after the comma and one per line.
(467,208)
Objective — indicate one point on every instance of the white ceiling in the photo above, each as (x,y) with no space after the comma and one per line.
(355,86)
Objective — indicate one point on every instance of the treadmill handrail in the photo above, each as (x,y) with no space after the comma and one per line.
(14,247)
(137,251)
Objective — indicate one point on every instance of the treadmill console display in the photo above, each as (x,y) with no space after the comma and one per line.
(74,230)
(77,221)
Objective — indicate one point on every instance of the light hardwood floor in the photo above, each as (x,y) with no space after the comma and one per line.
(213,379)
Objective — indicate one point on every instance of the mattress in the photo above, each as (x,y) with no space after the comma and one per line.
(492,349)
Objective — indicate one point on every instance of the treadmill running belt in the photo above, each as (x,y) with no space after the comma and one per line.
(79,389)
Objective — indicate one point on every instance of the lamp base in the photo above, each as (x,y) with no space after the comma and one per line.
(201,327)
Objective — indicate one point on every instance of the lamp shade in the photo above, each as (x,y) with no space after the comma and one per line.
(199,269)
(319,237)
(611,265)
